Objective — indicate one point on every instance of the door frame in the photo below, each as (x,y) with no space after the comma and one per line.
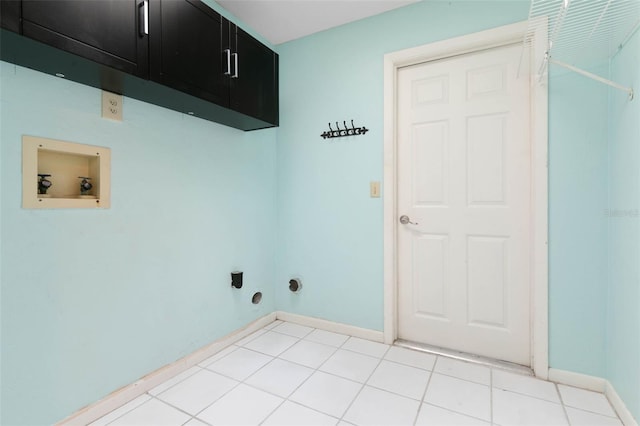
(538,129)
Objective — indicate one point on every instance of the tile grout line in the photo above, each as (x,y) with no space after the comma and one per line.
(408,365)
(125,413)
(491,395)
(365,382)
(257,334)
(220,397)
(456,412)
(335,349)
(586,410)
(530,396)
(284,399)
(564,407)
(177,383)
(458,378)
(291,335)
(272,411)
(424,394)
(240,382)
(191,416)
(323,363)
(315,370)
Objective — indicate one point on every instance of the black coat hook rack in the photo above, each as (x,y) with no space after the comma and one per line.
(347,131)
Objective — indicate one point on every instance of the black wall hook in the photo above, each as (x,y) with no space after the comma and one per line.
(347,131)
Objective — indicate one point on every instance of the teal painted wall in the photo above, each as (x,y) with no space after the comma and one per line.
(92,300)
(134,287)
(330,233)
(577,223)
(623,325)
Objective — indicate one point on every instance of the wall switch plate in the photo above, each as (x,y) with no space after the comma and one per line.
(111,106)
(374,189)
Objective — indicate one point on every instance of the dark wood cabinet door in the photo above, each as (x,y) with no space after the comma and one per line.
(110,32)
(10,15)
(186,49)
(254,84)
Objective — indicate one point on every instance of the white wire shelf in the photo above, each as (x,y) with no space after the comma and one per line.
(585,33)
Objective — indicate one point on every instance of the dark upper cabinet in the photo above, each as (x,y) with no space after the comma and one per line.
(109,32)
(10,15)
(186,49)
(194,50)
(178,54)
(253,77)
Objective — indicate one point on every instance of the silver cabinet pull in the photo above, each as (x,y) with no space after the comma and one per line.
(143,17)
(404,219)
(145,9)
(235,60)
(228,52)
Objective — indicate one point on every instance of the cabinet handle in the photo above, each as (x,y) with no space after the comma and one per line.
(235,60)
(143,18)
(228,52)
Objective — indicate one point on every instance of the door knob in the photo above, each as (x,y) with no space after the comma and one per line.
(404,219)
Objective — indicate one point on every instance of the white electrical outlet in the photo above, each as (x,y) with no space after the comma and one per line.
(111,106)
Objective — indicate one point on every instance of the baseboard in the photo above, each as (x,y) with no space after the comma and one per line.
(578,380)
(597,384)
(336,327)
(619,405)
(123,395)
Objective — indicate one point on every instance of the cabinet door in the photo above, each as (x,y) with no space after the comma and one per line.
(254,84)
(10,15)
(186,49)
(110,32)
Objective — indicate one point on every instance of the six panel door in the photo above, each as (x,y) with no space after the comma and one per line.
(464,181)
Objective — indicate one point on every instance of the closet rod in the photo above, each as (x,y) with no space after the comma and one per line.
(629,90)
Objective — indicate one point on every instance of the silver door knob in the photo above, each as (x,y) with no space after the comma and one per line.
(404,219)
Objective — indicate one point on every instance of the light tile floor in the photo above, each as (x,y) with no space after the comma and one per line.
(287,374)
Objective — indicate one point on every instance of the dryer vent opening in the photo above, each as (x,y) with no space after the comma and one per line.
(295,285)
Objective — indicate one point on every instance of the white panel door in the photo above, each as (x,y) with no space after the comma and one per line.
(464,181)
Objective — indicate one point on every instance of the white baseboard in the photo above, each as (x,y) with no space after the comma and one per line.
(619,405)
(120,397)
(597,384)
(578,380)
(336,327)
(123,395)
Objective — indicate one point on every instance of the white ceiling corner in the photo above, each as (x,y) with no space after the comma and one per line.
(280,21)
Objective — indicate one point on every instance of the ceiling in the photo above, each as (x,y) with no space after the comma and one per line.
(280,21)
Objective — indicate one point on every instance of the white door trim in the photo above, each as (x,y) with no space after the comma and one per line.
(539,192)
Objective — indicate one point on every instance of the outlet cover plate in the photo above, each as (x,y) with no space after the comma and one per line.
(111,106)
(374,189)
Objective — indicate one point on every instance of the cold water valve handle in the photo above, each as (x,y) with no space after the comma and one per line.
(85,185)
(43,183)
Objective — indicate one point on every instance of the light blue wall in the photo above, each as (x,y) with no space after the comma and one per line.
(623,325)
(92,300)
(329,230)
(577,222)
(137,286)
